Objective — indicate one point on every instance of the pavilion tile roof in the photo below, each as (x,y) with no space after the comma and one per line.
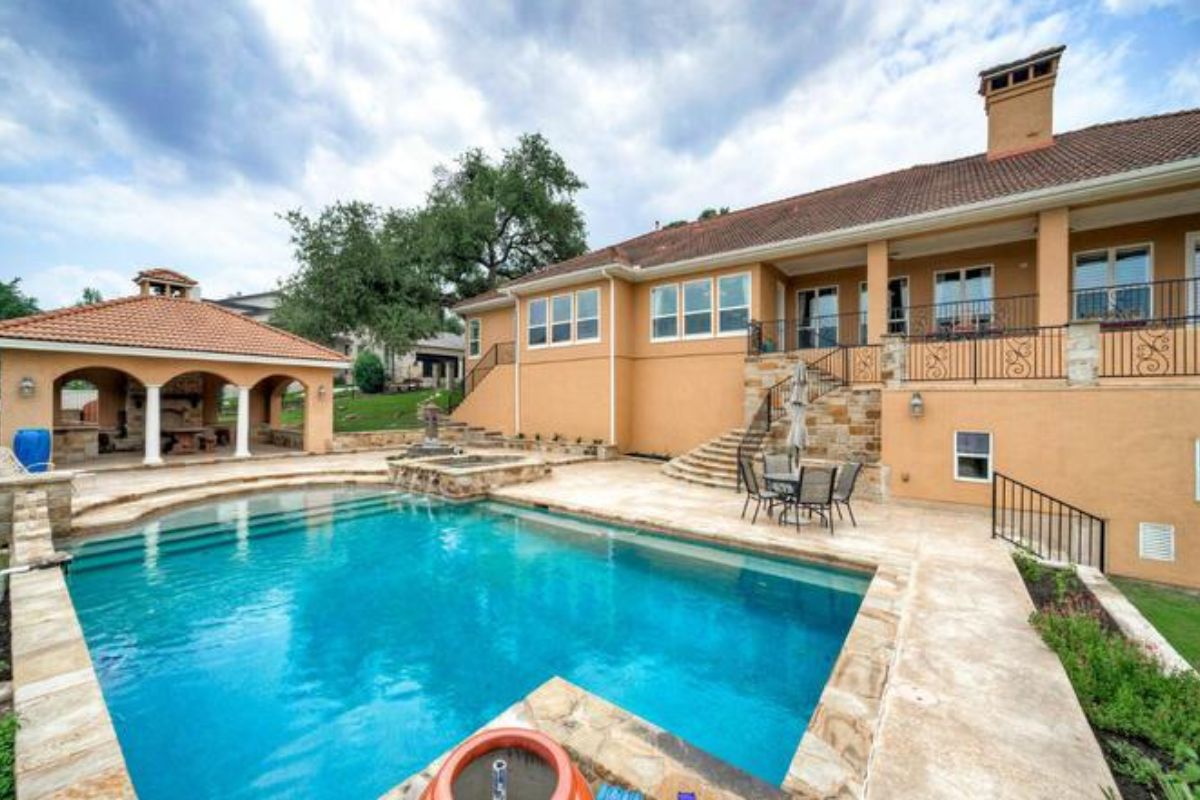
(1101,150)
(165,323)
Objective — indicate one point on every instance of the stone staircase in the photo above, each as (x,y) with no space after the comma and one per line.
(843,425)
(713,463)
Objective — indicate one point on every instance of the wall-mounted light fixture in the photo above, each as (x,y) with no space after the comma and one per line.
(27,387)
(321,391)
(916,406)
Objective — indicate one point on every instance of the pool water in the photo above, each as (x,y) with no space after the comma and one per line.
(329,643)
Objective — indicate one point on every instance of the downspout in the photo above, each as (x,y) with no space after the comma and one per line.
(516,364)
(612,357)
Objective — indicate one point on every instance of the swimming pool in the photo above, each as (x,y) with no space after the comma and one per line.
(329,643)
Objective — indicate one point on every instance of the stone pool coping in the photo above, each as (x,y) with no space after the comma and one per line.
(833,758)
(66,746)
(612,745)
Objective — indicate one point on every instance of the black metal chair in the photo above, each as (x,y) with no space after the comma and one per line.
(755,490)
(843,490)
(815,494)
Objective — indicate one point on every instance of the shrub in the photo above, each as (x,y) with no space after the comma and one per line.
(1124,692)
(8,741)
(368,372)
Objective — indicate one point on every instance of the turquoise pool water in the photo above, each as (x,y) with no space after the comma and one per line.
(329,643)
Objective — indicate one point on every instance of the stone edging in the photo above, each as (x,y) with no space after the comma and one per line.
(1135,627)
(66,744)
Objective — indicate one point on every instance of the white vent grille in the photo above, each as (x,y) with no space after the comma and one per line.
(1156,542)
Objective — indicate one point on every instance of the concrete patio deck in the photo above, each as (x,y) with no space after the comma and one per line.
(975,704)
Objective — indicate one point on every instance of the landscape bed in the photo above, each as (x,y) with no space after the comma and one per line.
(337,641)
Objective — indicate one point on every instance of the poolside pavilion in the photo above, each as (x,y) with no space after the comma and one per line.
(163,374)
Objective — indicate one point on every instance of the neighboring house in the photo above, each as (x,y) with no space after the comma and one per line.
(1030,310)
(435,361)
(158,364)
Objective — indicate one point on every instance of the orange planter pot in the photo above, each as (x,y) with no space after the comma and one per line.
(569,783)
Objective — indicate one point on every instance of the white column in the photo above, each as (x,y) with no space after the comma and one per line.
(243,423)
(153,429)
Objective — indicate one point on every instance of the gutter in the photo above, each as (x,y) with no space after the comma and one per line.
(154,352)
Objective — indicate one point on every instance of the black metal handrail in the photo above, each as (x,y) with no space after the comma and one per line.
(772,407)
(961,318)
(1130,304)
(498,354)
(1026,354)
(1053,529)
(788,335)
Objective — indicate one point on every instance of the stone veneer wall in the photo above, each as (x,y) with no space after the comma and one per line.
(844,425)
(56,485)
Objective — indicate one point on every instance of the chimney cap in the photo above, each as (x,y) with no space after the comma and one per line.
(1041,55)
(163,275)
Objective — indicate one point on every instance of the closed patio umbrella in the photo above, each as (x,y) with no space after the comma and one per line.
(797,403)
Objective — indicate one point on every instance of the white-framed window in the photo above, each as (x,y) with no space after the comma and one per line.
(963,297)
(664,312)
(973,456)
(474,337)
(733,304)
(1192,272)
(539,328)
(1113,283)
(587,315)
(697,309)
(1198,470)
(560,319)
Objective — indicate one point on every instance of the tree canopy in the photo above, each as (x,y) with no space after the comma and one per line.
(14,302)
(362,271)
(90,297)
(488,222)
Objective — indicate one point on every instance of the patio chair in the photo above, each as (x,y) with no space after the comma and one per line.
(843,489)
(755,490)
(816,493)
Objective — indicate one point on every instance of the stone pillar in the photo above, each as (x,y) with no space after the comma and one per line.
(893,361)
(1083,353)
(877,291)
(243,423)
(153,425)
(1054,267)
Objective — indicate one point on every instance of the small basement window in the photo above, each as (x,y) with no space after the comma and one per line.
(973,456)
(1156,541)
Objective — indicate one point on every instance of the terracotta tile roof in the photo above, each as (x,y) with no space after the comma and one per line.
(163,274)
(165,323)
(1098,151)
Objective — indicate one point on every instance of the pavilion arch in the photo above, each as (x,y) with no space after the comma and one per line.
(280,411)
(111,422)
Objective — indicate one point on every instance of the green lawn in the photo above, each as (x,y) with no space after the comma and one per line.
(1176,614)
(369,412)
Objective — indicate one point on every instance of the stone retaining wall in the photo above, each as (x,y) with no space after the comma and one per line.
(56,485)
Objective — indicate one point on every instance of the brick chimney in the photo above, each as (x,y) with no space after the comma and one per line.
(1019,100)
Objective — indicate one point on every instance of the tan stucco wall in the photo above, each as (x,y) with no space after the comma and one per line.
(490,404)
(45,367)
(497,326)
(1124,453)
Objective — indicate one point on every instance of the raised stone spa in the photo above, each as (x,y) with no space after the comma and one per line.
(461,477)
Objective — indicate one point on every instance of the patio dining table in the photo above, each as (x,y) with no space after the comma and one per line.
(791,481)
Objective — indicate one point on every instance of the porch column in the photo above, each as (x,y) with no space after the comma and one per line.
(877,291)
(1054,267)
(153,426)
(243,423)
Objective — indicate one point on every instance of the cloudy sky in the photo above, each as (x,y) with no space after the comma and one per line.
(171,133)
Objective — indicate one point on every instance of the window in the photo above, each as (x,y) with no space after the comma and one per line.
(862,312)
(560,319)
(664,312)
(898,305)
(537,323)
(697,308)
(817,317)
(1192,273)
(963,298)
(587,315)
(972,456)
(474,332)
(1112,283)
(733,304)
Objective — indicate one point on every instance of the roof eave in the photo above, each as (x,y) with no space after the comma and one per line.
(51,345)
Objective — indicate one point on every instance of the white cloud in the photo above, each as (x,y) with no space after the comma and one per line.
(391,90)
